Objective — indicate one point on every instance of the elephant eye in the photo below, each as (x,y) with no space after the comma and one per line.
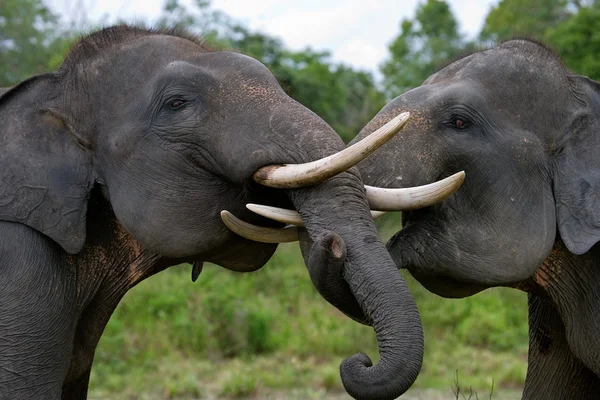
(176,104)
(459,123)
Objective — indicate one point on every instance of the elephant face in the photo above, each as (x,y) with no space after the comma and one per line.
(525,131)
(173,134)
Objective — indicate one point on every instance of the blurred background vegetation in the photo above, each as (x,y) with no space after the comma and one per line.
(236,335)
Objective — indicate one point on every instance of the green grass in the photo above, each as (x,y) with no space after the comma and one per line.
(236,335)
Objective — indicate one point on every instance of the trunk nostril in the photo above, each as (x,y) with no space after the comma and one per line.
(336,249)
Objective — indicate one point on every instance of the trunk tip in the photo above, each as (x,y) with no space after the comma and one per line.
(364,382)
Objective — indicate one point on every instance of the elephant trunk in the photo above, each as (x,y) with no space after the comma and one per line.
(342,239)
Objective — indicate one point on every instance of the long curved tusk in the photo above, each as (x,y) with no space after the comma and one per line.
(406,199)
(290,217)
(290,176)
(259,233)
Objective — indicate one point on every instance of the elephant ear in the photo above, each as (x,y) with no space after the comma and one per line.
(45,171)
(577,170)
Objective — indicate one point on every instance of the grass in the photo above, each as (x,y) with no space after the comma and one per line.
(237,335)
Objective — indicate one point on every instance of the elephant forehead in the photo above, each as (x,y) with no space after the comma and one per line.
(514,66)
(250,82)
(252,91)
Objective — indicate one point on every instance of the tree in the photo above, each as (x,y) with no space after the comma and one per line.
(577,40)
(524,18)
(199,18)
(421,47)
(532,18)
(569,27)
(31,41)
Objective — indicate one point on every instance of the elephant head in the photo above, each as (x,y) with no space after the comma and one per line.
(171,134)
(527,133)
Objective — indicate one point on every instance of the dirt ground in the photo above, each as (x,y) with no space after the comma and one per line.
(413,394)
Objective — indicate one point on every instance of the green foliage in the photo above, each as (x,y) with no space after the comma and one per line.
(523,17)
(31,40)
(200,17)
(577,40)
(569,27)
(424,43)
(431,39)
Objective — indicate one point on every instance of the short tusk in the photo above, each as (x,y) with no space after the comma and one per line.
(406,199)
(290,217)
(259,233)
(290,176)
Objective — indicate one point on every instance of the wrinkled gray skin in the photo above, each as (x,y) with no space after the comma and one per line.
(527,133)
(117,166)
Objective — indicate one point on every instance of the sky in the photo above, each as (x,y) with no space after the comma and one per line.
(356,32)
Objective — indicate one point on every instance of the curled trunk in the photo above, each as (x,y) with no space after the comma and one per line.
(342,239)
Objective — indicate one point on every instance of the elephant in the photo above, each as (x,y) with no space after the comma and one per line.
(526,131)
(132,157)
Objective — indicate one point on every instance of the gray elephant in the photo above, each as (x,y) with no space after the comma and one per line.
(527,133)
(118,165)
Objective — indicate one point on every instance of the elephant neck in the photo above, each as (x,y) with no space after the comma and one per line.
(570,282)
(111,261)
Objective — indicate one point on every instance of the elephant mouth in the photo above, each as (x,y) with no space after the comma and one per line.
(419,248)
(419,261)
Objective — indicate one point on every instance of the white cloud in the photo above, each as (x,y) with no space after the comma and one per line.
(357,32)
(470,17)
(362,54)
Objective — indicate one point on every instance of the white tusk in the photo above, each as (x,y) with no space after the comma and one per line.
(289,217)
(377,214)
(406,199)
(290,176)
(259,233)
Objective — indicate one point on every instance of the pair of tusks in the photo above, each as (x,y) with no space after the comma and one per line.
(380,198)
(289,176)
